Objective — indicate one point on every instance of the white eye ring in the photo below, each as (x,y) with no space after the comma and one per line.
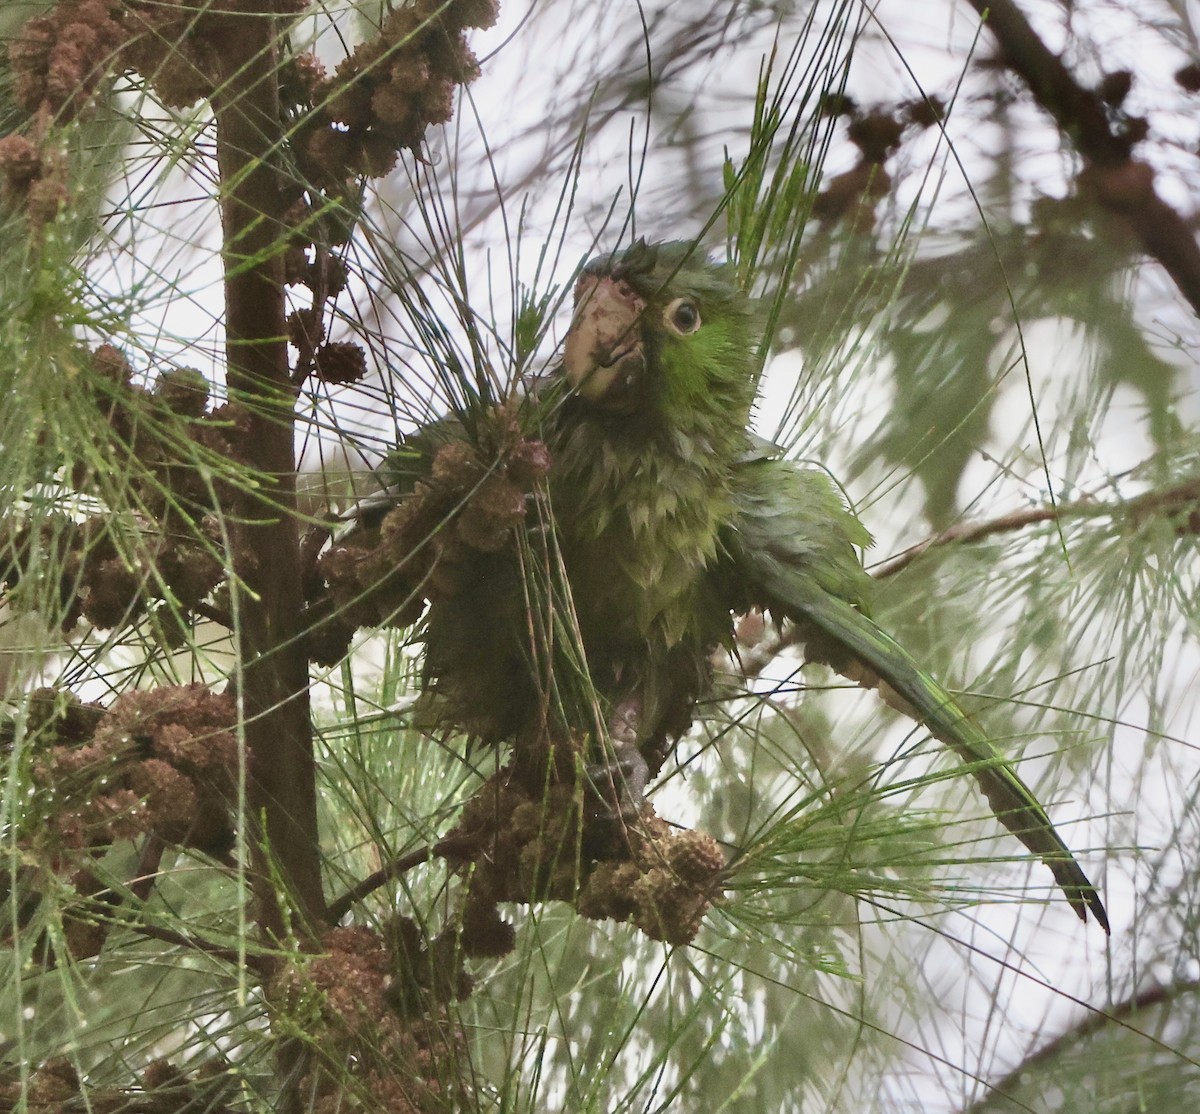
(682,316)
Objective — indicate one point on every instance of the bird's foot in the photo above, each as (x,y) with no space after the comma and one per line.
(620,781)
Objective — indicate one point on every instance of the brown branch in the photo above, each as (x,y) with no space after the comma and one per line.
(1120,183)
(274,680)
(261,965)
(145,876)
(342,905)
(216,615)
(1093,1023)
(963,532)
(1078,111)
(1166,502)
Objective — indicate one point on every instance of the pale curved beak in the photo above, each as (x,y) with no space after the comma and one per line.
(603,352)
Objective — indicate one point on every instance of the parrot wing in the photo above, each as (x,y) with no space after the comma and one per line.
(790,546)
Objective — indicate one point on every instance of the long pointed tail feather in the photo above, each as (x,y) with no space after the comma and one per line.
(1011,799)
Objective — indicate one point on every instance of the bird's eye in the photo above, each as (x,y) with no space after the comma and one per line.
(683,316)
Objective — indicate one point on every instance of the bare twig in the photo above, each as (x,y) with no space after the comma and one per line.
(216,615)
(103,908)
(1119,182)
(1116,1016)
(260,965)
(342,905)
(1165,502)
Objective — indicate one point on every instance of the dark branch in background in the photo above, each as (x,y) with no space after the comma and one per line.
(1118,182)
(341,905)
(213,614)
(1116,1016)
(260,965)
(1180,502)
(1183,498)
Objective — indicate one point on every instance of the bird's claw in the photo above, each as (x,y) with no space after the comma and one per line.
(620,783)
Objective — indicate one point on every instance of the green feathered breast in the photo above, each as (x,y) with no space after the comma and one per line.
(641,482)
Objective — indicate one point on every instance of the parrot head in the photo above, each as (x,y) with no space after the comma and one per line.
(659,328)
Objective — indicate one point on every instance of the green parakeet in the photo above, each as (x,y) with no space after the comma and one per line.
(671,517)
